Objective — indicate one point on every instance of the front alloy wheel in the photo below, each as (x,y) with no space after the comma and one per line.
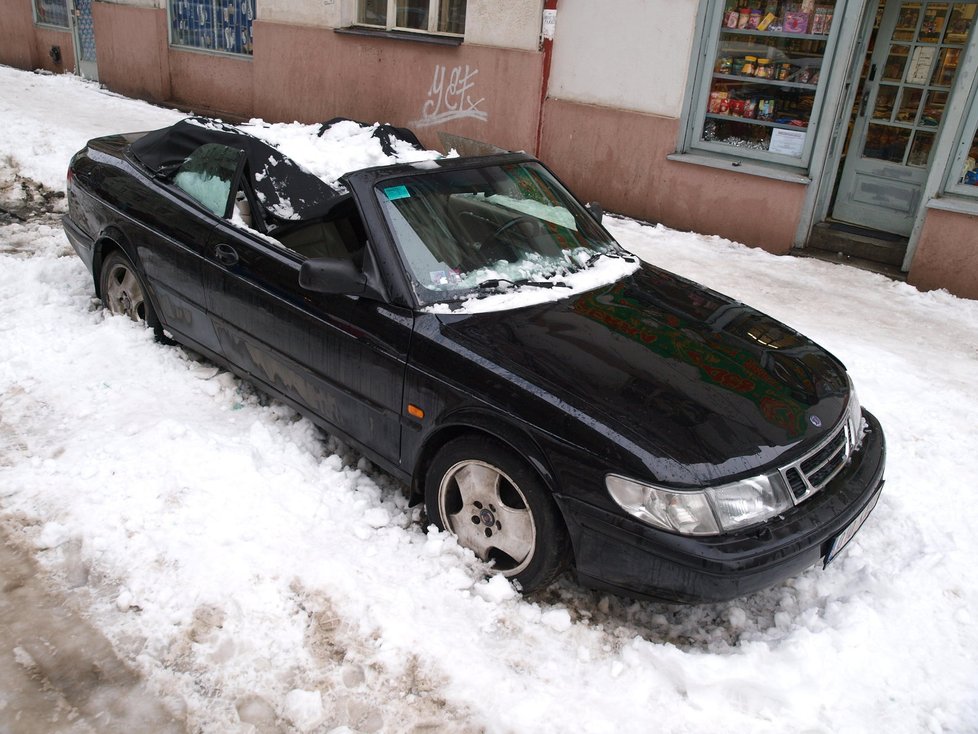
(498,508)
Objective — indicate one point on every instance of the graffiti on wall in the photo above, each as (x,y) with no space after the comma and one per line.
(451,97)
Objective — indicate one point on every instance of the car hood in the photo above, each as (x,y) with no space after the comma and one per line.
(706,387)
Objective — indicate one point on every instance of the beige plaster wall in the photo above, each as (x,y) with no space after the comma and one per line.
(627,54)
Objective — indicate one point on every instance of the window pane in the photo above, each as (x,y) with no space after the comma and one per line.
(969,175)
(958,27)
(909,104)
(934,109)
(932,25)
(920,150)
(52,12)
(886,143)
(766,76)
(412,14)
(885,99)
(906,26)
(373,12)
(893,70)
(218,25)
(947,65)
(206,175)
(451,18)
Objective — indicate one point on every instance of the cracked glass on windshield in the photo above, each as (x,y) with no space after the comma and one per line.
(494,226)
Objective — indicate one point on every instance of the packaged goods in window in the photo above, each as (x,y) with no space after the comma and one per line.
(766,21)
(744,18)
(754,20)
(796,22)
(731,18)
(749,67)
(724,65)
(764,69)
(822,20)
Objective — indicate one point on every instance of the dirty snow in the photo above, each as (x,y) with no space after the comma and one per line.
(261,576)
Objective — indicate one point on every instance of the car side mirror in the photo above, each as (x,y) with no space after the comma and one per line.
(334,276)
(597,211)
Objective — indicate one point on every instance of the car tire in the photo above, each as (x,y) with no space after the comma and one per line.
(497,506)
(124,293)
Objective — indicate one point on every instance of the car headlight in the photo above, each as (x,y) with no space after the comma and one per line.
(708,511)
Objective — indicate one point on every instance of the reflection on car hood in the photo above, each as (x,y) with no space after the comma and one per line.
(680,371)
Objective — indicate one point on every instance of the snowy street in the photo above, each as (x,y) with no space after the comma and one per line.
(251,574)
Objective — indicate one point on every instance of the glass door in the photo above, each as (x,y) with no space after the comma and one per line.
(911,74)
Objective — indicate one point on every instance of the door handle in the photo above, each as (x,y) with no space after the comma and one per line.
(226,255)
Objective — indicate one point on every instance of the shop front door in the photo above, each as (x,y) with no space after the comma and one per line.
(84,35)
(911,74)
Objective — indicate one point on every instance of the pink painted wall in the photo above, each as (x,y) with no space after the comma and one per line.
(131,45)
(17,47)
(27,46)
(618,158)
(947,255)
(313,74)
(210,83)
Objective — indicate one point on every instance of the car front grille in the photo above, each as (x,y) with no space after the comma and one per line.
(813,471)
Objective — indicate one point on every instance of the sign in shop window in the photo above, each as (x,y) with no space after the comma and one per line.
(214,25)
(51,12)
(760,93)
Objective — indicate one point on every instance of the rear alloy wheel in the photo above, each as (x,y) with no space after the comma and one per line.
(498,508)
(124,293)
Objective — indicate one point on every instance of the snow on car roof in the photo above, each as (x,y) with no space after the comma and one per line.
(294,167)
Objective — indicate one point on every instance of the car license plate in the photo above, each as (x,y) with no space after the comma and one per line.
(842,540)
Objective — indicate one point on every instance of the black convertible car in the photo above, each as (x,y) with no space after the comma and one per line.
(472,328)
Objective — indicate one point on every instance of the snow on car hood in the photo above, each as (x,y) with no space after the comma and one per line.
(681,371)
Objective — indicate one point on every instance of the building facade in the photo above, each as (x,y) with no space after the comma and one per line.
(784,125)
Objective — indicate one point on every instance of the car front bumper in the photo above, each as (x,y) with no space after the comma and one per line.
(620,554)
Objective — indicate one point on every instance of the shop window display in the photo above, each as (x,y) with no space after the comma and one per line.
(766,76)
(213,25)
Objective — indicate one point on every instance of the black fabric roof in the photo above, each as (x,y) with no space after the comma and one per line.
(285,191)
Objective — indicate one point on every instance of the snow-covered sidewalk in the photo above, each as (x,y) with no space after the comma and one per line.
(260,575)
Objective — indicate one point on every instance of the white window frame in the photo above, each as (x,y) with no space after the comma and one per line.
(434,6)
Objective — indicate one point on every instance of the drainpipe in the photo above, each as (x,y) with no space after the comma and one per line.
(547,47)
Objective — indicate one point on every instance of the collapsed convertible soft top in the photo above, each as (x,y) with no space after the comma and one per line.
(278,181)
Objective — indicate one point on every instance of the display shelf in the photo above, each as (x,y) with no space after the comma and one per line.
(765,82)
(775,34)
(753,121)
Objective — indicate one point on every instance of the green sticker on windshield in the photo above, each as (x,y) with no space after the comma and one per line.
(396,192)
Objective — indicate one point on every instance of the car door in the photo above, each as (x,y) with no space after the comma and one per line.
(341,358)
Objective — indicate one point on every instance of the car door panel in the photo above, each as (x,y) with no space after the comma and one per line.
(168,236)
(340,357)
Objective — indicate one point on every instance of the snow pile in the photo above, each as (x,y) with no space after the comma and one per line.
(267,577)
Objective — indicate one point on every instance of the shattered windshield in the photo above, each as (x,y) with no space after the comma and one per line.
(499,226)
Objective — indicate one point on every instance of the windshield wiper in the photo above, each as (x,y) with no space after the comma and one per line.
(496,283)
(627,257)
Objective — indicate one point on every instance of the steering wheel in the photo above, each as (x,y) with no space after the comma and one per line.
(506,226)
